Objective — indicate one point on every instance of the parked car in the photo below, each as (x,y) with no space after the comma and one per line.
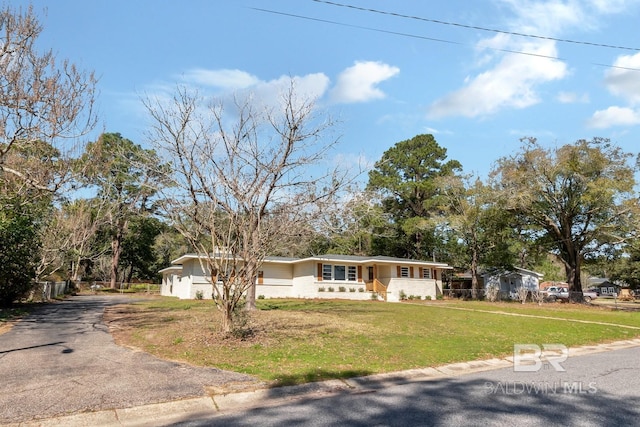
(561,293)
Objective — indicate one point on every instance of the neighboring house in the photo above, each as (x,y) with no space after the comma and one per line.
(325,276)
(510,281)
(603,286)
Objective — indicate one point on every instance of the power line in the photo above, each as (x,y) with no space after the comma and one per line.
(473,27)
(361,27)
(327,21)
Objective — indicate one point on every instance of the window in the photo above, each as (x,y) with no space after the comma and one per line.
(426,273)
(327,272)
(339,272)
(352,273)
(404,271)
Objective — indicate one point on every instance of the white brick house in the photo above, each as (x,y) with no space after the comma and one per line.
(325,276)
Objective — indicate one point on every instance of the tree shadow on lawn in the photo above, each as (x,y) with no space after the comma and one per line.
(453,401)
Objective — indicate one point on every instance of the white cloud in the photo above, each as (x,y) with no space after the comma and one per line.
(624,81)
(358,83)
(614,116)
(308,87)
(612,6)
(572,98)
(547,17)
(510,84)
(224,79)
(512,80)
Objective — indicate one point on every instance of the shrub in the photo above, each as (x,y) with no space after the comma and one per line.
(199,294)
(439,296)
(19,248)
(428,297)
(522,293)
(360,289)
(330,289)
(260,296)
(240,325)
(321,289)
(374,296)
(352,289)
(403,295)
(342,289)
(493,293)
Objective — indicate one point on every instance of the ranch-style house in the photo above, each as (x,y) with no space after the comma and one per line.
(324,276)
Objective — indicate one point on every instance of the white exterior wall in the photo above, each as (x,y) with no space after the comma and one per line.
(277,281)
(167,281)
(417,287)
(304,283)
(358,296)
(531,282)
(193,269)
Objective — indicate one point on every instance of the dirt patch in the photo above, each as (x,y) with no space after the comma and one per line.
(145,328)
(5,327)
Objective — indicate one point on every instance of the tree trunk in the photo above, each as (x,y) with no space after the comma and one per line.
(129,275)
(116,248)
(572,269)
(227,318)
(475,283)
(251,297)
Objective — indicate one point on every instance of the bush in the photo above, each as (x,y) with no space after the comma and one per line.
(374,296)
(360,289)
(493,293)
(330,289)
(428,297)
(260,296)
(342,289)
(403,295)
(199,294)
(321,289)
(439,297)
(240,325)
(352,289)
(19,248)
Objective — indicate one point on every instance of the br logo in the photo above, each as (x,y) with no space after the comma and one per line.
(531,357)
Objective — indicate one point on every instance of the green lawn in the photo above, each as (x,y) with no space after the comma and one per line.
(298,341)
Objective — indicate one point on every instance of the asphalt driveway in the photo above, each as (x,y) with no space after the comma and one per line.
(61,359)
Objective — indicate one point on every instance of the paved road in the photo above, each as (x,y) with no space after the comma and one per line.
(596,390)
(61,359)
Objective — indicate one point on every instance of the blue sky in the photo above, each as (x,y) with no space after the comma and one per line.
(386,77)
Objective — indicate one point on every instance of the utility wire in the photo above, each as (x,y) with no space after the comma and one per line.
(473,27)
(397,33)
(518,52)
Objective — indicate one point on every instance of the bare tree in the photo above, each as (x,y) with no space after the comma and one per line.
(42,101)
(244,189)
(522,294)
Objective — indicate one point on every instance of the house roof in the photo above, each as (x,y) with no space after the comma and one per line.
(374,259)
(516,270)
(171,269)
(354,259)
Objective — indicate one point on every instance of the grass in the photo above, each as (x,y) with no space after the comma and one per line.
(10,314)
(297,341)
